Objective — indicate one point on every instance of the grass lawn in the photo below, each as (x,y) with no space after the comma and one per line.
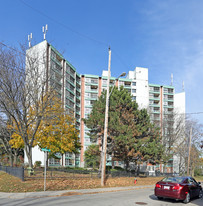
(9,183)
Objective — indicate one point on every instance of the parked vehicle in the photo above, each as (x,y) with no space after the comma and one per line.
(178,188)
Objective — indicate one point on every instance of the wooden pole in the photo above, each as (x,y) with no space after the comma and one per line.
(188,164)
(103,169)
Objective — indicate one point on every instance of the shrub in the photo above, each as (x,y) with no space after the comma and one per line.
(37,164)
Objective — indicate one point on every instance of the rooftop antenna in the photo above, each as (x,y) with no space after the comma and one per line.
(44,30)
(171,79)
(30,39)
(183,86)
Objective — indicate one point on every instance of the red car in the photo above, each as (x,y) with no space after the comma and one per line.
(178,188)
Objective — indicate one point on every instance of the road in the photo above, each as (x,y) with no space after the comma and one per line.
(119,198)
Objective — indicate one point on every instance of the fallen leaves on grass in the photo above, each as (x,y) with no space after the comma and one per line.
(9,183)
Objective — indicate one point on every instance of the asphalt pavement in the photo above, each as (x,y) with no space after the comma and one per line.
(69,192)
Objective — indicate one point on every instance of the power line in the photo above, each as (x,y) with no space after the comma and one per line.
(63,25)
(22,53)
(74,31)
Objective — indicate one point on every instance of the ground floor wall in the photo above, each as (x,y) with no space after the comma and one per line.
(66,160)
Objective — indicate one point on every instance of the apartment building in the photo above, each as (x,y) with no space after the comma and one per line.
(66,81)
(160,101)
(79,92)
(91,88)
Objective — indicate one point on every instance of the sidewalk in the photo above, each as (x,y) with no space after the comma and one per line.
(68,192)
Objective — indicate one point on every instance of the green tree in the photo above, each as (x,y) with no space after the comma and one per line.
(130,131)
(92,156)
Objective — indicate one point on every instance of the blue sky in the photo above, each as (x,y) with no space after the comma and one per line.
(166,36)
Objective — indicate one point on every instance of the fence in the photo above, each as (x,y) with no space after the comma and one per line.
(57,173)
(15,171)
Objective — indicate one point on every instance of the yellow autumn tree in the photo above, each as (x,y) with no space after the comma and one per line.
(57,131)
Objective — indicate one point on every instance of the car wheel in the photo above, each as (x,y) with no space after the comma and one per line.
(200,194)
(160,198)
(187,198)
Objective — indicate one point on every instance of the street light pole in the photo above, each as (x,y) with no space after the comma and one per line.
(103,169)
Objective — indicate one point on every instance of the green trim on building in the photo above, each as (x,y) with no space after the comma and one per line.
(71,83)
(170,87)
(88,106)
(125,80)
(154,92)
(57,62)
(70,91)
(168,93)
(154,105)
(154,85)
(91,76)
(168,106)
(91,83)
(89,98)
(89,91)
(56,51)
(152,98)
(70,65)
(71,74)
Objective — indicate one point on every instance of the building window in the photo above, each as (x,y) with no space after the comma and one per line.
(151,102)
(88,110)
(133,83)
(133,90)
(104,81)
(94,81)
(156,89)
(151,88)
(87,102)
(87,87)
(170,91)
(53,161)
(68,154)
(165,90)
(87,94)
(69,162)
(87,140)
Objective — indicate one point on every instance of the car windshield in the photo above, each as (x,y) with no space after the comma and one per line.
(173,179)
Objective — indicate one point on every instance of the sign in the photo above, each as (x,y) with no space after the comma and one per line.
(46,150)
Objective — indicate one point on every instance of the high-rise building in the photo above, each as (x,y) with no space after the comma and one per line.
(79,92)
(63,77)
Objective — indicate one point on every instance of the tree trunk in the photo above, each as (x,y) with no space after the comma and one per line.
(11,160)
(15,158)
(126,164)
(138,170)
(28,151)
(112,161)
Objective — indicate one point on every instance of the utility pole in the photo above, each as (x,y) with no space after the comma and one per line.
(103,169)
(188,163)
